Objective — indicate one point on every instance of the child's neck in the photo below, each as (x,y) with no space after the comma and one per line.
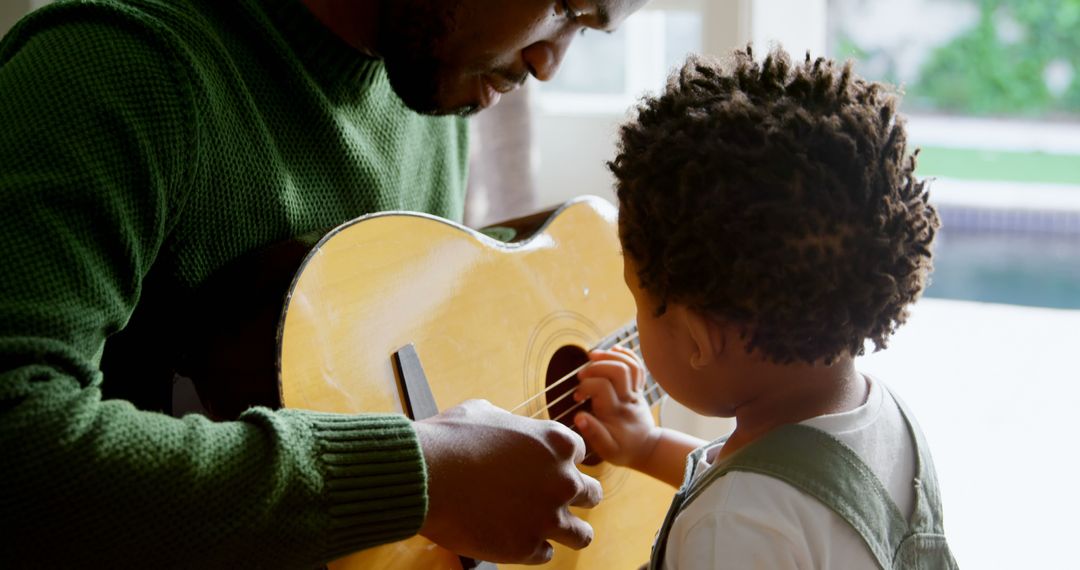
(779,394)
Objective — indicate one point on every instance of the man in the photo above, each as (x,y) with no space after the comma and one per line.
(146,144)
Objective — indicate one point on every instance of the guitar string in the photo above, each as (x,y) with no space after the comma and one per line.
(569,376)
(551,404)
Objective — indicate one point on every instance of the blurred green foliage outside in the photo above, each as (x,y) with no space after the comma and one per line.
(1021,59)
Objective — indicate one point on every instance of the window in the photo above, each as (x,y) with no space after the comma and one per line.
(992,90)
(607,72)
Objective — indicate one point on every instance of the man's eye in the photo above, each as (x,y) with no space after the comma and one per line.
(570,11)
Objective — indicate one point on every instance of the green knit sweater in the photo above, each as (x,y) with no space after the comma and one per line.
(144,144)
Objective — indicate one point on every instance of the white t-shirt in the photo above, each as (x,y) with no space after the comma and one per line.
(747,520)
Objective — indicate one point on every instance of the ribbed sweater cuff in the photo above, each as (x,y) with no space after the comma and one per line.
(375,478)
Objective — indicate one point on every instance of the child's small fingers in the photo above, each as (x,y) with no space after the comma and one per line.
(617,373)
(616,352)
(596,434)
(633,354)
(636,366)
(602,354)
(633,365)
(634,362)
(598,388)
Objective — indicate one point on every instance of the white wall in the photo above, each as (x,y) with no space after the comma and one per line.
(12,10)
(798,25)
(572,152)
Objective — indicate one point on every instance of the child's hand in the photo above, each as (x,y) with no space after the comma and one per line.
(620,427)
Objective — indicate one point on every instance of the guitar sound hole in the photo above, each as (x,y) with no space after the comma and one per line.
(561,404)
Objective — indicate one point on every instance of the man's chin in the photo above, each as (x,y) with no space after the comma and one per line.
(468,110)
(433,107)
(424,97)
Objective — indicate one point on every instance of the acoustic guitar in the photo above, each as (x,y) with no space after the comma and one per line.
(409,313)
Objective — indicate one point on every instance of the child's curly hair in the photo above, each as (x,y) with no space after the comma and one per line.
(780,198)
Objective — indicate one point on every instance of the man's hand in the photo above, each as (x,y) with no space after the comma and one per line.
(499,485)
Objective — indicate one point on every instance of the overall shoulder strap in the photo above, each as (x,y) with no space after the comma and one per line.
(823,467)
(926,516)
(926,547)
(656,560)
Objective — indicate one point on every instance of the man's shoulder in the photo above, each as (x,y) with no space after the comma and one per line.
(161,24)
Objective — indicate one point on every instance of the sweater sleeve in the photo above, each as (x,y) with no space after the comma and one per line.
(96,143)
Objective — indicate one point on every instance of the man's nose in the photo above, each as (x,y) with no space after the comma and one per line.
(544,57)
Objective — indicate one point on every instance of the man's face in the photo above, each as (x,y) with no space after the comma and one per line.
(459,56)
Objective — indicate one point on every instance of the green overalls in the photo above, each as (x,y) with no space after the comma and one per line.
(828,470)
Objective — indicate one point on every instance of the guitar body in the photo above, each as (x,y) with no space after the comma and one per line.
(488,319)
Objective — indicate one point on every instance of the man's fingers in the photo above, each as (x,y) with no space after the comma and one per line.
(564,442)
(572,531)
(541,555)
(590,494)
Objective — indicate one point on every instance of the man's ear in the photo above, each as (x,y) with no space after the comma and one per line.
(707,337)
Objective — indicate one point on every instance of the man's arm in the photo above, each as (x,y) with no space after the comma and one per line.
(96,151)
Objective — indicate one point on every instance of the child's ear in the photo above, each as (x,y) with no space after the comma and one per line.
(707,337)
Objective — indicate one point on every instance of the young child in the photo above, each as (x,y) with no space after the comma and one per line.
(771,224)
